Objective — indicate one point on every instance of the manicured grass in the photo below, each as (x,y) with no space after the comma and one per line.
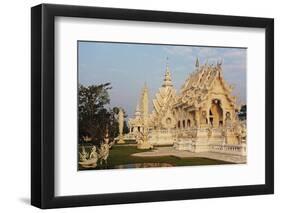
(121,155)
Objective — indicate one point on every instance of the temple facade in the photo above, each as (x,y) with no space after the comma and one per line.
(201,117)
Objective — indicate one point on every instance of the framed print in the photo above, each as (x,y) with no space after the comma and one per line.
(139,106)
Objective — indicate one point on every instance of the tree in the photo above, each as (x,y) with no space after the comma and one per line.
(93,116)
(242,114)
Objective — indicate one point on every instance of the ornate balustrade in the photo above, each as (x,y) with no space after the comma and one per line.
(240,149)
(163,131)
(188,146)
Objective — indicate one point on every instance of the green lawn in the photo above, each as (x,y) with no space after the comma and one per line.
(121,155)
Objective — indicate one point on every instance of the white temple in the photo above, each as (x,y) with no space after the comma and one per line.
(200,118)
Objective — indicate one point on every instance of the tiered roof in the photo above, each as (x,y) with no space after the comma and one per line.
(165,97)
(196,88)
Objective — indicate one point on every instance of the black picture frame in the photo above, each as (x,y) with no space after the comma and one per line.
(43,105)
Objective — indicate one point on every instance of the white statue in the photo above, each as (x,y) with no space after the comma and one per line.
(121,120)
(93,154)
(91,162)
(84,155)
(228,122)
(121,125)
(104,150)
(104,153)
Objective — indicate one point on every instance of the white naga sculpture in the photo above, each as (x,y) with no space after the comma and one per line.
(121,125)
(104,149)
(83,155)
(104,153)
(91,162)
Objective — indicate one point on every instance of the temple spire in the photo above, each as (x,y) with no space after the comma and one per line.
(145,88)
(137,112)
(167,79)
(144,101)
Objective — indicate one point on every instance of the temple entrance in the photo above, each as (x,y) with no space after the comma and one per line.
(188,123)
(216,114)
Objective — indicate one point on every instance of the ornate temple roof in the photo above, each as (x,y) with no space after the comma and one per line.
(196,88)
(205,80)
(165,97)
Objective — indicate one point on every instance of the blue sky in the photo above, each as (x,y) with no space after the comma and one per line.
(128,66)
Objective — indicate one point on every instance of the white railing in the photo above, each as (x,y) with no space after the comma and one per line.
(162,131)
(240,149)
(181,145)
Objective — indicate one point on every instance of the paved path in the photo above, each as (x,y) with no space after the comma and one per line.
(170,151)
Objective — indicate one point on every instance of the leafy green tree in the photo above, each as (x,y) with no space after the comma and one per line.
(94,117)
(113,126)
(242,114)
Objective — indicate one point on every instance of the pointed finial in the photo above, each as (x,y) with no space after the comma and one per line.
(167,73)
(197,63)
(137,112)
(145,85)
(219,62)
(145,88)
(167,78)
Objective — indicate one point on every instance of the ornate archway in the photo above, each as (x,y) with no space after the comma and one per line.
(216,114)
